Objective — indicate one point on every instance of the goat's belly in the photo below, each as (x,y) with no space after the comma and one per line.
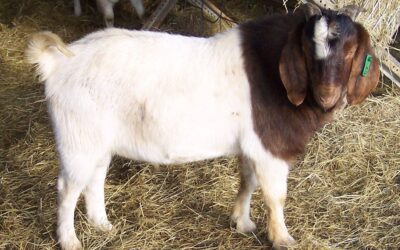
(182,121)
(178,140)
(174,154)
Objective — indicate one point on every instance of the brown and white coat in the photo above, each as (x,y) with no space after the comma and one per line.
(259,91)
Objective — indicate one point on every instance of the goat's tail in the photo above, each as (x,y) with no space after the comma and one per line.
(43,49)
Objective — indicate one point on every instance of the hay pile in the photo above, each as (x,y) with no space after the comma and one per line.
(381,19)
(344,194)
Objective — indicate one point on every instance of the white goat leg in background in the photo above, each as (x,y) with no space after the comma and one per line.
(105,7)
(138,6)
(77,7)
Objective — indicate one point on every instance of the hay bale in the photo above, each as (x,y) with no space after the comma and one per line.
(381,19)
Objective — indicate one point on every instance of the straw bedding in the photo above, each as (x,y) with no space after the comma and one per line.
(343,193)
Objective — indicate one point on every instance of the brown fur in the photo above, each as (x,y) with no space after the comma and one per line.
(359,86)
(292,68)
(287,91)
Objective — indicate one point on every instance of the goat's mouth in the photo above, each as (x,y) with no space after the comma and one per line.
(328,109)
(327,97)
(336,105)
(327,104)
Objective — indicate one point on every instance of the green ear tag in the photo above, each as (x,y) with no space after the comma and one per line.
(367,65)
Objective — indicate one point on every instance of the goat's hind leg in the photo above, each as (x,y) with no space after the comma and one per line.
(94,196)
(70,185)
(77,170)
(241,211)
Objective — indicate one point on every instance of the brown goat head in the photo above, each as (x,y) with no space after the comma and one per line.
(330,55)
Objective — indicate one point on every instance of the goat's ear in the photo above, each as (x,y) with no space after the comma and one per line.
(364,75)
(351,10)
(310,9)
(293,70)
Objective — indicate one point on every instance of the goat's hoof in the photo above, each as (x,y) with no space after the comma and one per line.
(284,243)
(71,244)
(103,225)
(245,226)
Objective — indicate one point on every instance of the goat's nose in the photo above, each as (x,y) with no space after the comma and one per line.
(327,96)
(328,102)
(325,100)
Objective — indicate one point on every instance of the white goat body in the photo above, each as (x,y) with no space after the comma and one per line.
(131,85)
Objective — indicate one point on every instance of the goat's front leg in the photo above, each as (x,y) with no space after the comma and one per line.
(272,175)
(241,211)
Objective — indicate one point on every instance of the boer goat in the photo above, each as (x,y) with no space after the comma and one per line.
(259,90)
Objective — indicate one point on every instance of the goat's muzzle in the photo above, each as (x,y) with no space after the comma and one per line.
(327,96)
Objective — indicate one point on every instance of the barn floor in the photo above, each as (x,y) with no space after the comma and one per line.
(343,194)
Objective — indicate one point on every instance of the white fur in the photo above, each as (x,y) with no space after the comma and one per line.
(159,98)
(320,38)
